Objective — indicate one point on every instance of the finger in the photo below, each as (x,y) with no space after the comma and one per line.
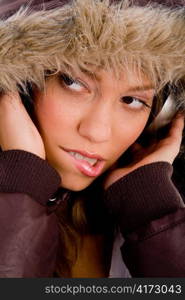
(12,98)
(177,127)
(174,138)
(10,95)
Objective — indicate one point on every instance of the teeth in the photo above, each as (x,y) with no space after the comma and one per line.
(91,161)
(78,156)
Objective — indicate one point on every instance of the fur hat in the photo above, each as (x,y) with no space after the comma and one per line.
(86,33)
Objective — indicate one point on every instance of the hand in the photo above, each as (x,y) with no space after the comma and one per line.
(164,150)
(17,131)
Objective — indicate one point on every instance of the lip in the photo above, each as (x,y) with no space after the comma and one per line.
(84,166)
(84,153)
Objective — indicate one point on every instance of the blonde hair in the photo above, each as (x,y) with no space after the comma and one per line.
(82,215)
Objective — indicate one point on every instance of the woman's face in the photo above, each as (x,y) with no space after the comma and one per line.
(87,122)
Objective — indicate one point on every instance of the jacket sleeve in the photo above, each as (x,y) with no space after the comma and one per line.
(28,231)
(151,216)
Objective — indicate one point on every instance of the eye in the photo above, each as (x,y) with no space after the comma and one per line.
(134,102)
(71,83)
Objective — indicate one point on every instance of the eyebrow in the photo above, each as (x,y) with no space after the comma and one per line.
(138,88)
(143,88)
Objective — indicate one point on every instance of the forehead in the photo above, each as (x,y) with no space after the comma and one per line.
(134,78)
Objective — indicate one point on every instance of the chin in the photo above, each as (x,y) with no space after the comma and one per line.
(75,185)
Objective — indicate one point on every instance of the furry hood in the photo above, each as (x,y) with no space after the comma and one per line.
(92,33)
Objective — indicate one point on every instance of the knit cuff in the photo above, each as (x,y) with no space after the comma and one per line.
(24,172)
(143,195)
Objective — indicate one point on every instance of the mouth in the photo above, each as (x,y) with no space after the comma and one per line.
(87,163)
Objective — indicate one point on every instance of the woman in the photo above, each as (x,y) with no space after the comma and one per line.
(79,168)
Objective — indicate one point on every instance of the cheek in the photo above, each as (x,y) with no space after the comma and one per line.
(46,114)
(52,116)
(127,134)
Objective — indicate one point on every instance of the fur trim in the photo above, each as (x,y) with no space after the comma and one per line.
(88,33)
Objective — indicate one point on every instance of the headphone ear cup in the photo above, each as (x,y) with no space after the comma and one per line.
(166,114)
(173,101)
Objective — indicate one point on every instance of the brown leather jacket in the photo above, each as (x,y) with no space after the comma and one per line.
(145,204)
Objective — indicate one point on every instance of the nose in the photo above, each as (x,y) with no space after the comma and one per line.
(95,124)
